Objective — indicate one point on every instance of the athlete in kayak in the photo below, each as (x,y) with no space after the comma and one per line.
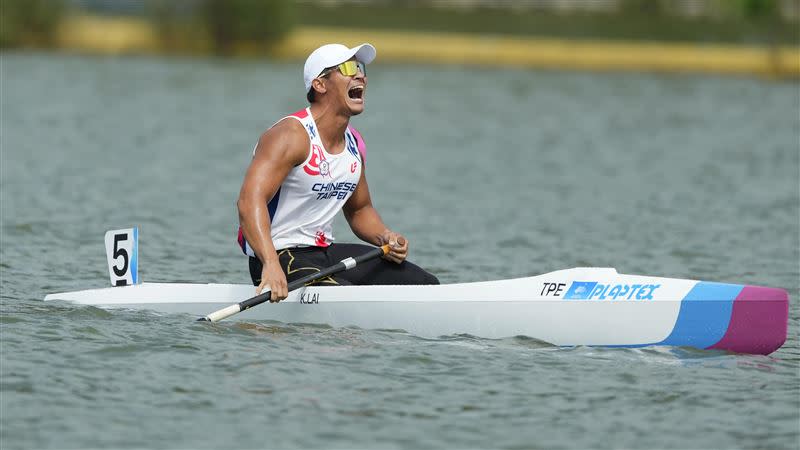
(304,171)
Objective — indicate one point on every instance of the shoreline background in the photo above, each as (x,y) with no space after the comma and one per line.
(636,36)
(126,35)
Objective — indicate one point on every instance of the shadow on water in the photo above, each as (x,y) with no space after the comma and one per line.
(329,336)
(267,328)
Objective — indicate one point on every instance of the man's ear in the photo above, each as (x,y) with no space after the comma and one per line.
(318,85)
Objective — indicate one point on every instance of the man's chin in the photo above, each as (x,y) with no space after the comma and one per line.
(355,109)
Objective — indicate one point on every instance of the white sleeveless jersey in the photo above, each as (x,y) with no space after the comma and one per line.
(302,210)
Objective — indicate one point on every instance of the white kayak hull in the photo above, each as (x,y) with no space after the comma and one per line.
(583,306)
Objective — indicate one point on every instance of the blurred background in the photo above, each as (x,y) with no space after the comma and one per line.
(706,35)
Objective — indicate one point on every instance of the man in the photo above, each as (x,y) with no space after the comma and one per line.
(307,168)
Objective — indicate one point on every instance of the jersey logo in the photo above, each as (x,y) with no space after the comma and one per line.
(317,165)
(311,130)
(353,167)
(321,240)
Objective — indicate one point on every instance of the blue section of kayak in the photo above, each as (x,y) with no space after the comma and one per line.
(704,315)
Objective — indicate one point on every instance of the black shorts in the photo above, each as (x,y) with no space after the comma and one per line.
(301,261)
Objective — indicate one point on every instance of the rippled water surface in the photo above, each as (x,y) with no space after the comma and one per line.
(490,173)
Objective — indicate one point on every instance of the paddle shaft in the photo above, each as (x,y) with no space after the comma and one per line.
(345,264)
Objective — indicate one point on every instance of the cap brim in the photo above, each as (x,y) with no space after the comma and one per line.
(364,53)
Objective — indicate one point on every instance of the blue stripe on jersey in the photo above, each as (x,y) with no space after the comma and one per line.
(273,204)
(351,144)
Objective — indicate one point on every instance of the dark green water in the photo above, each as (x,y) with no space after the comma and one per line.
(490,173)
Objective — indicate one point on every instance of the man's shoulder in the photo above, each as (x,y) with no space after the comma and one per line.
(288,125)
(286,136)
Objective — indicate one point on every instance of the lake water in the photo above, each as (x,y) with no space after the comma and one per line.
(490,173)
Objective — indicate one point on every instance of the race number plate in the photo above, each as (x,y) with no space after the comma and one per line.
(122,252)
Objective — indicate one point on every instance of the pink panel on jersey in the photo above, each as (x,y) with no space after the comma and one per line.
(302,114)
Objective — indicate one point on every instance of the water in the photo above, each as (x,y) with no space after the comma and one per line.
(490,173)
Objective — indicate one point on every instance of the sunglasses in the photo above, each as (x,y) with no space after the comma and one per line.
(347,68)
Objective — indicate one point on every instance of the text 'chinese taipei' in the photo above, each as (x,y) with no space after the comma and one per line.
(333,190)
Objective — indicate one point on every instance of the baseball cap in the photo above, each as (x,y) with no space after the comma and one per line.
(330,55)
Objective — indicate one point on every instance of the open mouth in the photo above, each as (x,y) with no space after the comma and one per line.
(356,92)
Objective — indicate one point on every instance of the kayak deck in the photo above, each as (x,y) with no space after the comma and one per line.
(584,306)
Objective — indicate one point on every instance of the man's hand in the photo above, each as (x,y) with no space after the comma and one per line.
(398,246)
(272,277)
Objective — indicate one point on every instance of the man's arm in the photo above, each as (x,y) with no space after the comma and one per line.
(280,148)
(367,224)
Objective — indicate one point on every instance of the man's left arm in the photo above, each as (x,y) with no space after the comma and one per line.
(367,224)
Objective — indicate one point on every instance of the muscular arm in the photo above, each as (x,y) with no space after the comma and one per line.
(280,148)
(367,224)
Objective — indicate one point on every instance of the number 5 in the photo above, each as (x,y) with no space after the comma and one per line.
(120,252)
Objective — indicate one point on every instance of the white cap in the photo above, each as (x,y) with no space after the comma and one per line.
(330,55)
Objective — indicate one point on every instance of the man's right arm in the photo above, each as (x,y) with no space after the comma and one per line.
(279,149)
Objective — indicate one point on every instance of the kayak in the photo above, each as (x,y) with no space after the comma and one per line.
(581,306)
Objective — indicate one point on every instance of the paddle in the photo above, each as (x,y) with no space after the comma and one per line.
(345,264)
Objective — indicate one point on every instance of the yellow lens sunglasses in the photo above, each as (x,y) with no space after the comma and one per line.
(347,68)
